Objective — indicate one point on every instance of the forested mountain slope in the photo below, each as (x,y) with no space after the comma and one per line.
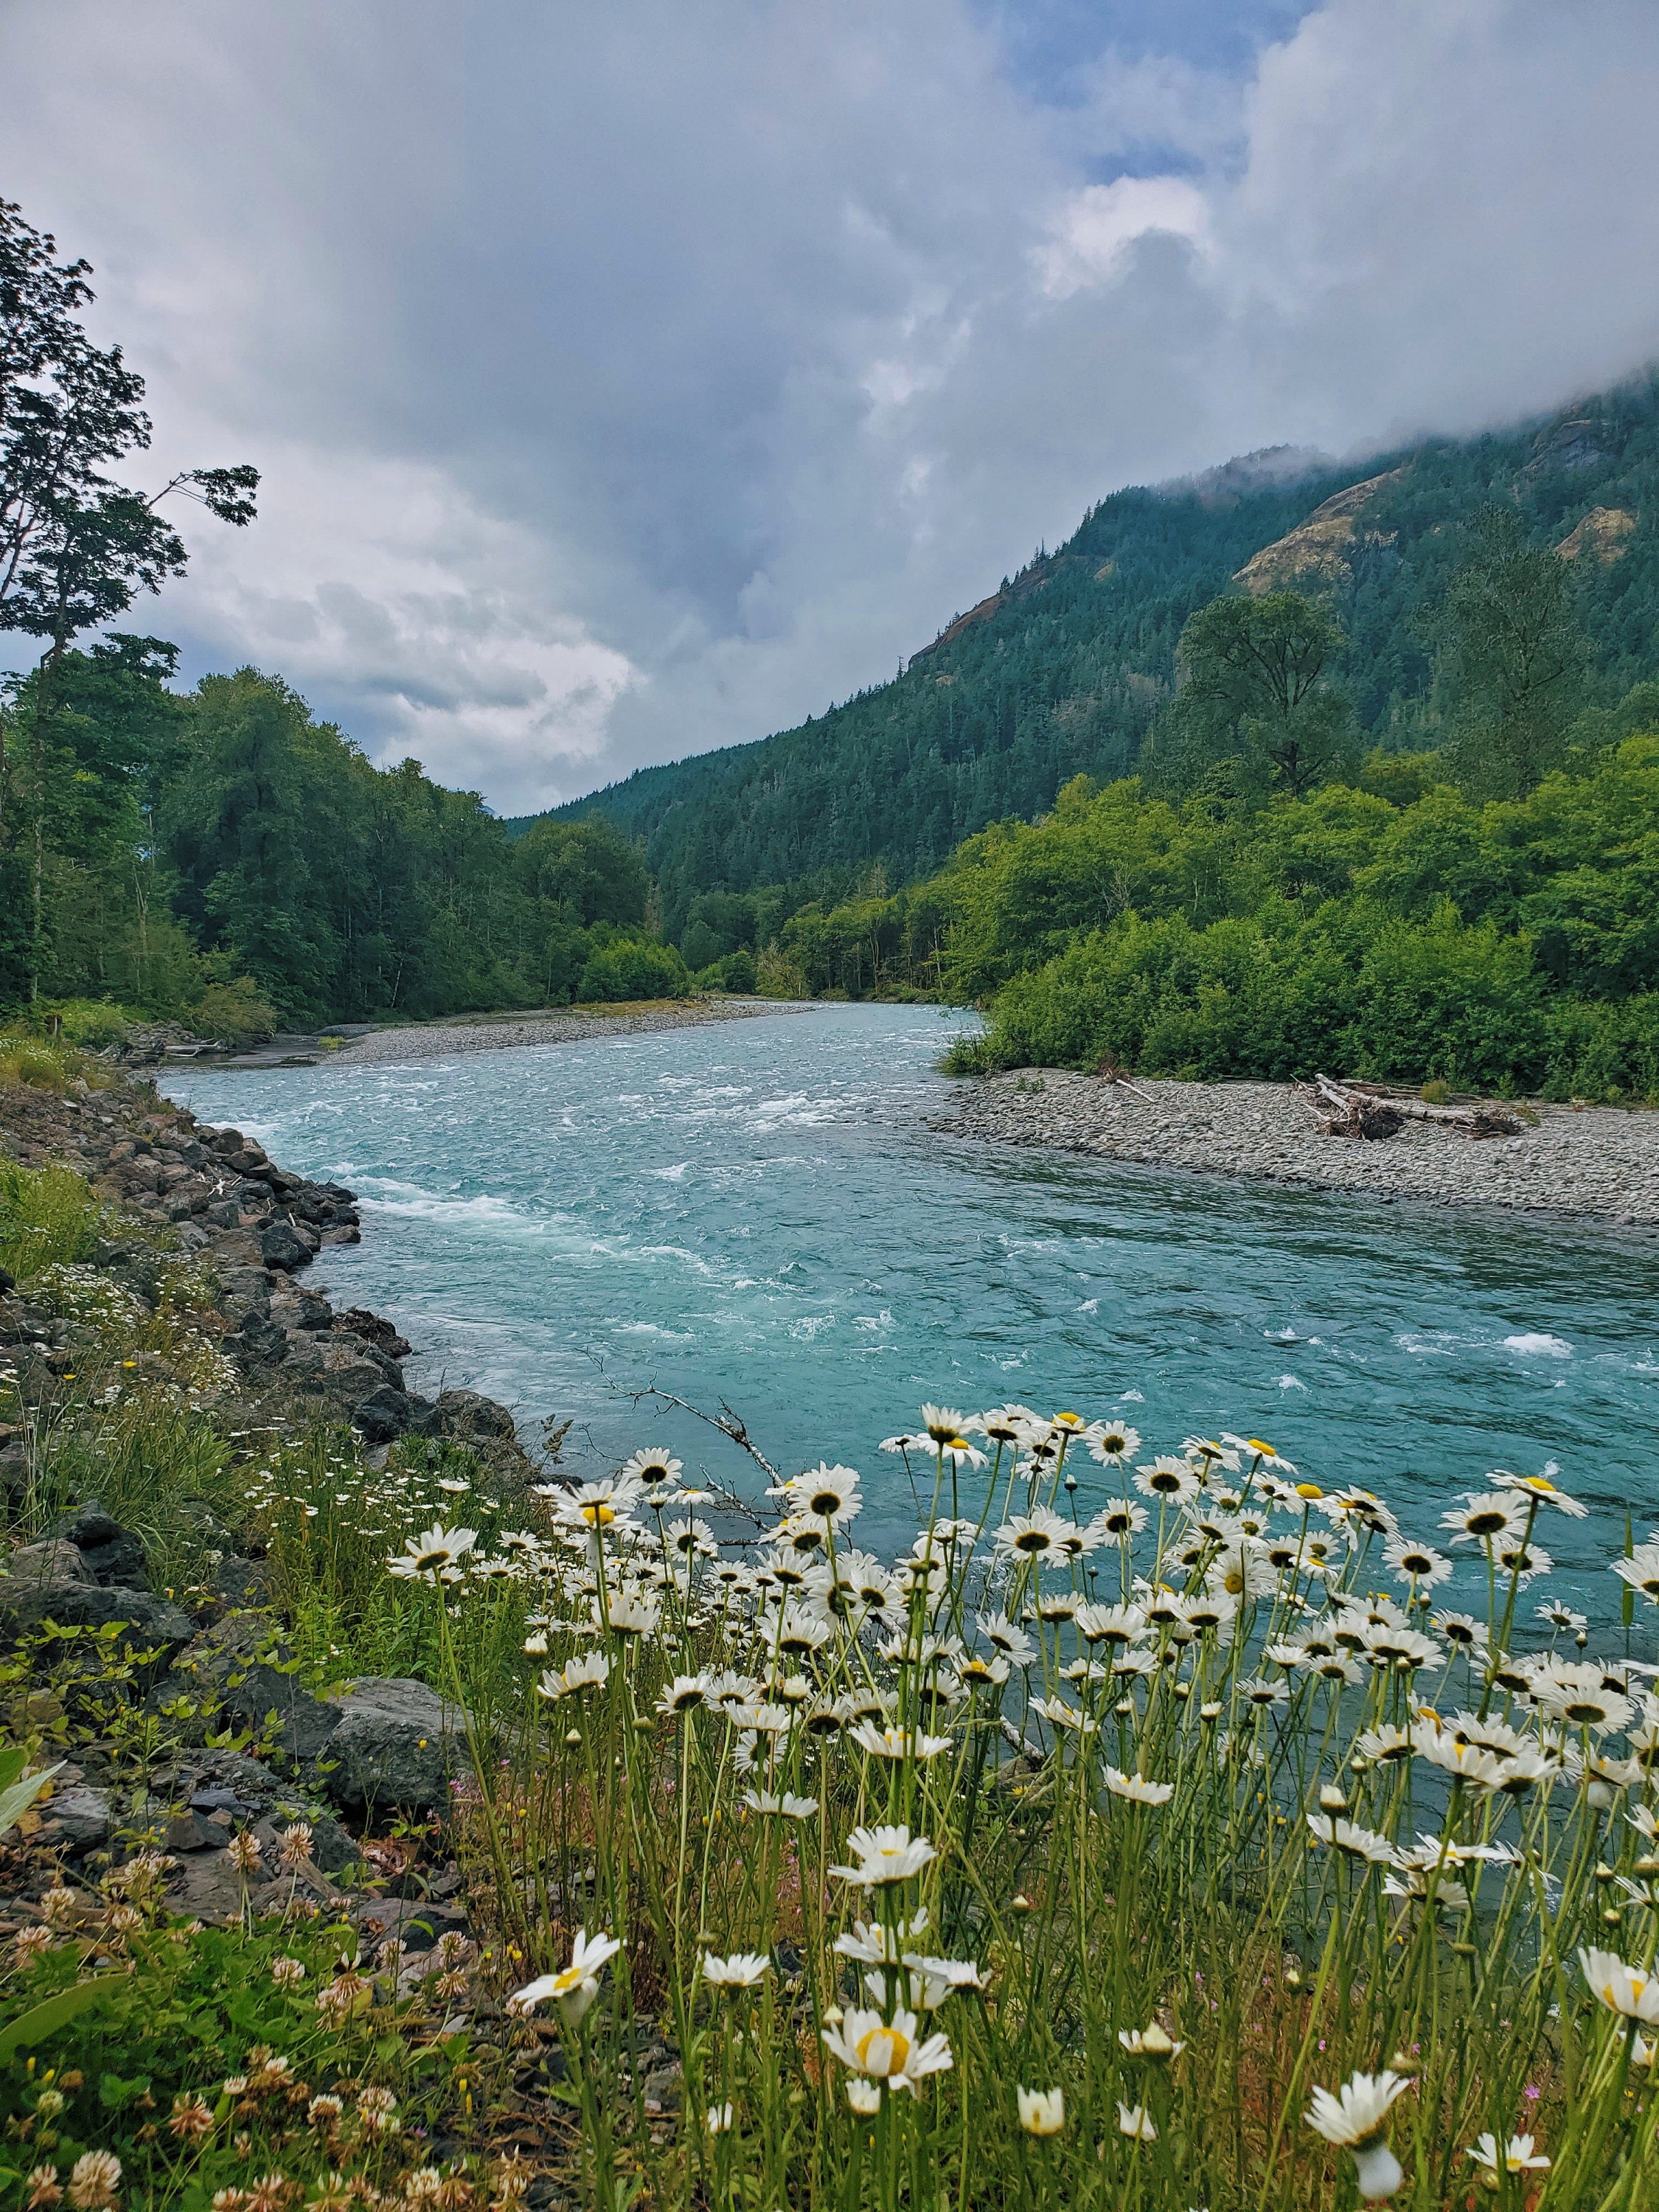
(1061,670)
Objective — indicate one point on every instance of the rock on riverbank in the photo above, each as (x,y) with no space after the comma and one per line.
(1599,1162)
(219,1198)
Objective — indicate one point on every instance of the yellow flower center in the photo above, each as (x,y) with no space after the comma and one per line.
(883,2050)
(571,1979)
(1256,1445)
(597,1517)
(1309,1490)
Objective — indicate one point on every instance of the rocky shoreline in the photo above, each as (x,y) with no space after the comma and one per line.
(224,1202)
(176,1188)
(1593,1163)
(158,1044)
(498,1032)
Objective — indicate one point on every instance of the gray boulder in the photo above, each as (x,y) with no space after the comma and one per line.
(47,1564)
(143,1622)
(80,1816)
(383,1414)
(468,1418)
(280,1247)
(398,1744)
(259,1342)
(112,1555)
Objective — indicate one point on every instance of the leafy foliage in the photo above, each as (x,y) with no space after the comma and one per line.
(1508,946)
(224,854)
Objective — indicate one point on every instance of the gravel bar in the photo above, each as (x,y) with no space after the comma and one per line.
(498,1032)
(1596,1162)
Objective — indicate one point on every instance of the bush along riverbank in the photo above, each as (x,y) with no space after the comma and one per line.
(1158,1828)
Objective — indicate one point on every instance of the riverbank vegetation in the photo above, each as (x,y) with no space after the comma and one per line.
(1139,1828)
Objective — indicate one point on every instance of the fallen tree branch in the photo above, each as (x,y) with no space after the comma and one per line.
(1371,1111)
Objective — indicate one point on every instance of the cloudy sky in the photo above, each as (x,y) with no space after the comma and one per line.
(634,378)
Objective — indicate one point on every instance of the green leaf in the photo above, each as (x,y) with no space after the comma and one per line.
(15,1799)
(44,2019)
(114,2092)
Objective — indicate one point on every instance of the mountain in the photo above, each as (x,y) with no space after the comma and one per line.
(1060,669)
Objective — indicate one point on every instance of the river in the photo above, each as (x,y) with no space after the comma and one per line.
(756,1213)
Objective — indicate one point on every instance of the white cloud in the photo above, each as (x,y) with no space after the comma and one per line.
(1093,229)
(629,381)
(412,609)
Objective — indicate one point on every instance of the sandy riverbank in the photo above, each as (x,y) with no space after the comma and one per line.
(498,1032)
(1597,1161)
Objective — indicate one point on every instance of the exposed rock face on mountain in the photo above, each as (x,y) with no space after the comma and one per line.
(1599,536)
(1322,546)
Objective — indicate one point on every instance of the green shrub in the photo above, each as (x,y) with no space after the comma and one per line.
(632,968)
(235,1012)
(89,1023)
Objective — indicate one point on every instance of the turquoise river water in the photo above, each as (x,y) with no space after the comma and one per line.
(755,1212)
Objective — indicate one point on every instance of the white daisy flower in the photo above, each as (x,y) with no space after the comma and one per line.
(1042,2111)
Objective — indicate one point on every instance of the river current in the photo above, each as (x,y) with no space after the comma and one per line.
(756,1213)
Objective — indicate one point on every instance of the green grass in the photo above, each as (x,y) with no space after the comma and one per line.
(48,1218)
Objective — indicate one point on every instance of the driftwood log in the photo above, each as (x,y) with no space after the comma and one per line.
(1371,1110)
